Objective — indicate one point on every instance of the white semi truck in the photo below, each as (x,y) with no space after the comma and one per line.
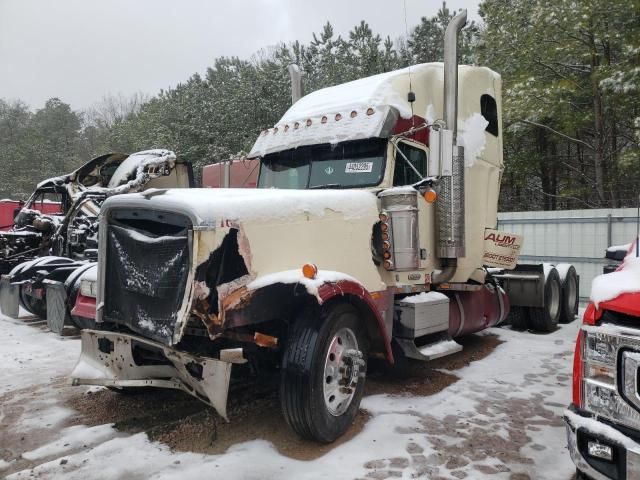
(370,234)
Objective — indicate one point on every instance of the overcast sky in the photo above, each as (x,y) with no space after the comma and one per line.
(80,50)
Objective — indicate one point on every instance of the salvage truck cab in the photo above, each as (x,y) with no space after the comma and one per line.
(367,237)
(603,420)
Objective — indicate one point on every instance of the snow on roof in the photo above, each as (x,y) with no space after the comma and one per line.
(617,248)
(626,279)
(210,206)
(385,89)
(376,100)
(369,107)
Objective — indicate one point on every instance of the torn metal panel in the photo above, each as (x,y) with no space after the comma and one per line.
(121,360)
(220,280)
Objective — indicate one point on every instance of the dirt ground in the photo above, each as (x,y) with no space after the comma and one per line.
(186,424)
(492,435)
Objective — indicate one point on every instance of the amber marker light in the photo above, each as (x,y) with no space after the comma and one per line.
(430,196)
(309,270)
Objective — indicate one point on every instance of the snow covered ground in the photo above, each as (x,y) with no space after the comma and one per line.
(497,417)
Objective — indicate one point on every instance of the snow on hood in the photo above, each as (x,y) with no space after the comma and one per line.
(626,279)
(296,276)
(209,207)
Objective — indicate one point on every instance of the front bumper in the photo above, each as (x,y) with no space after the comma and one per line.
(582,428)
(120,360)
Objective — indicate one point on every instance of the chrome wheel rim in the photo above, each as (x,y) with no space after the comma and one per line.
(342,368)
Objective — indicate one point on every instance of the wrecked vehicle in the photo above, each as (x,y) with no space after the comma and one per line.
(603,420)
(368,236)
(49,246)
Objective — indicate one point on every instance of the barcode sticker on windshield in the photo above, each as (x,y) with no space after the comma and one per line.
(359,167)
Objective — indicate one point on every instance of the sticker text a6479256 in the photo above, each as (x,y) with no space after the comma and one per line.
(359,167)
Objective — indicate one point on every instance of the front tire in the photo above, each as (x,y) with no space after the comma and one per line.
(323,373)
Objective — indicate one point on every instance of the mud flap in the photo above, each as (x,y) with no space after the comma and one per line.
(9,301)
(122,360)
(57,315)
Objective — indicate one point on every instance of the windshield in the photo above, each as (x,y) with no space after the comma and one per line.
(345,165)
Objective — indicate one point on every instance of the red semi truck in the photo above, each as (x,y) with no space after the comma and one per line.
(603,420)
(238,173)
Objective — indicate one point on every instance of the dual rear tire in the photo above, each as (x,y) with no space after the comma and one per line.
(560,302)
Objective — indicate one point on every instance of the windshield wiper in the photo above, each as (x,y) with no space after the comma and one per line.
(326,185)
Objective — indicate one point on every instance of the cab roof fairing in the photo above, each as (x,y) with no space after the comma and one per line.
(383,93)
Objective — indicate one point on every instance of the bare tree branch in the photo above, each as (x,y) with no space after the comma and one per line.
(566,137)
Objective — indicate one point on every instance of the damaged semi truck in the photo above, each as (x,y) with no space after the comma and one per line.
(369,236)
(51,248)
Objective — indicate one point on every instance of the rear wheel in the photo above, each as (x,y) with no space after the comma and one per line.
(323,373)
(570,296)
(545,318)
(33,305)
(519,318)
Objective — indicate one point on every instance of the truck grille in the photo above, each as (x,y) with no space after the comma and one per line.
(145,277)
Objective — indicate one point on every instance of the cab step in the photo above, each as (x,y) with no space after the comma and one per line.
(441,346)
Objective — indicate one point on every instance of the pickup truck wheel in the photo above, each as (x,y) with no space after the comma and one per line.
(545,318)
(570,296)
(323,373)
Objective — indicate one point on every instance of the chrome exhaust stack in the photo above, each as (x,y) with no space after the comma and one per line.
(296,82)
(449,162)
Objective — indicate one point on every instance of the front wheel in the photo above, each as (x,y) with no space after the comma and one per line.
(323,373)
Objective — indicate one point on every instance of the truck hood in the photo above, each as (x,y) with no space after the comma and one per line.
(610,288)
(209,208)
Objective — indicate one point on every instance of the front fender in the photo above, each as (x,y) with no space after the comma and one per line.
(374,306)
